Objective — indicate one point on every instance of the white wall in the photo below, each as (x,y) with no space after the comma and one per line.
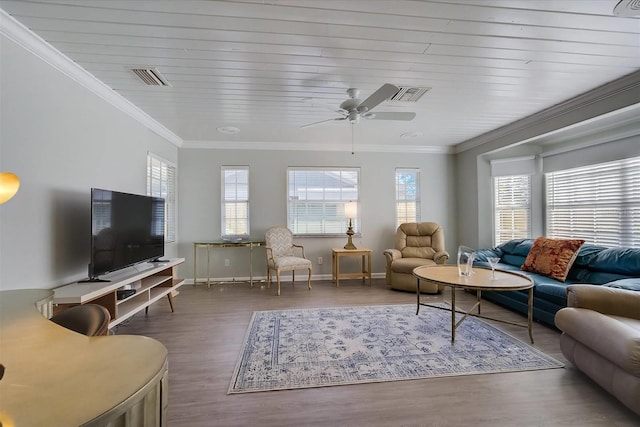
(199,205)
(61,140)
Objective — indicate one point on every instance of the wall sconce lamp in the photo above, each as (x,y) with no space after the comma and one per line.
(351,212)
(9,184)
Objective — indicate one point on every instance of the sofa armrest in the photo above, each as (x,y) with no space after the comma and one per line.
(483,255)
(441,257)
(611,301)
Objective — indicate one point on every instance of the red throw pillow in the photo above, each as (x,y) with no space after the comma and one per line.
(552,257)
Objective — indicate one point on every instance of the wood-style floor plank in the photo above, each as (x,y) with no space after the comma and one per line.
(206,332)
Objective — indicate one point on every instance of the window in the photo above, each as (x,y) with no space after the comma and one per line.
(235,200)
(407,196)
(161,182)
(597,203)
(316,199)
(512,207)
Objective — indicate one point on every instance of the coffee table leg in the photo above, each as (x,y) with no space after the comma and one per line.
(418,296)
(530,314)
(453,313)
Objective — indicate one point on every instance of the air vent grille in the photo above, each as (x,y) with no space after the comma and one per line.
(150,76)
(409,94)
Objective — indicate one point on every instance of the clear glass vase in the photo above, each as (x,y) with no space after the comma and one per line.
(466,256)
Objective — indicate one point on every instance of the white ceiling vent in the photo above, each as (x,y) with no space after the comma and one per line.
(627,8)
(150,76)
(409,94)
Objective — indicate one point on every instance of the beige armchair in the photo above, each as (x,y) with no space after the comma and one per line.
(417,244)
(280,255)
(601,337)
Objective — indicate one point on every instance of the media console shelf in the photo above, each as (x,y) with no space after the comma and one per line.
(151,281)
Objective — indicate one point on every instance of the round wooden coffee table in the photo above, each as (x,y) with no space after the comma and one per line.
(481,280)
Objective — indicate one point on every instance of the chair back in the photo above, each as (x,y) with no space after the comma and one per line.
(419,239)
(280,240)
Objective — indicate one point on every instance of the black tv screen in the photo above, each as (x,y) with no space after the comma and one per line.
(126,229)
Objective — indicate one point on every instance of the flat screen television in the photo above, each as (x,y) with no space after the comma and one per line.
(126,229)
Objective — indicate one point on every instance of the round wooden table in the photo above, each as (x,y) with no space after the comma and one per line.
(482,279)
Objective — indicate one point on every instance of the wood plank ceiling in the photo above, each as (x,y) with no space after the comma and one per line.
(269,67)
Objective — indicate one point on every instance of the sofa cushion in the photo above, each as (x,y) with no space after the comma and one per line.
(517,247)
(515,260)
(617,260)
(587,254)
(514,251)
(585,275)
(632,284)
(552,257)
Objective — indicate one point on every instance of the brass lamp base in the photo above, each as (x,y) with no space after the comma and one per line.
(350,233)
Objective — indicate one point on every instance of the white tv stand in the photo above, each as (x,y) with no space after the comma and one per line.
(152,282)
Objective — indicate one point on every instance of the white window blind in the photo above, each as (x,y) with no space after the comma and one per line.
(597,203)
(235,201)
(161,182)
(512,207)
(316,199)
(407,196)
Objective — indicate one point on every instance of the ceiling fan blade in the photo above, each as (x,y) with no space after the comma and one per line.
(390,116)
(321,122)
(385,92)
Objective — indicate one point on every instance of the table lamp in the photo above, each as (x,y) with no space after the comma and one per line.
(9,184)
(351,212)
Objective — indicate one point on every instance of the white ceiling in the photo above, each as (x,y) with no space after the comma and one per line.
(268,67)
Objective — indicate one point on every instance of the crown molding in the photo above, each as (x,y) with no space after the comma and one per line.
(305,146)
(615,95)
(27,39)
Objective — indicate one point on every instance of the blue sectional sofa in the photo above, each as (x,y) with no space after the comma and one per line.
(597,265)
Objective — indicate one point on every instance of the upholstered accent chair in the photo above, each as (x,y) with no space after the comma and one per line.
(416,244)
(281,256)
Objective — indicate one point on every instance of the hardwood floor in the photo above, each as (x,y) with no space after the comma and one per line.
(205,334)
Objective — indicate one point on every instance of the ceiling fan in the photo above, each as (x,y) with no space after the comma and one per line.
(353,108)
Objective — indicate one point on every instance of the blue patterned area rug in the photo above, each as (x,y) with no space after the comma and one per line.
(290,349)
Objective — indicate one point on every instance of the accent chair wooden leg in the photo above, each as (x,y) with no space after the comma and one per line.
(293,277)
(278,279)
(309,279)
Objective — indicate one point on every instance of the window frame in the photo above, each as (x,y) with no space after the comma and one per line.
(329,225)
(592,207)
(498,207)
(224,201)
(164,185)
(417,200)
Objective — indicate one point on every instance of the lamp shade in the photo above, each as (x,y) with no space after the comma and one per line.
(9,184)
(351,210)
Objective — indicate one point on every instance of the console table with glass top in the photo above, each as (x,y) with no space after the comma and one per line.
(222,244)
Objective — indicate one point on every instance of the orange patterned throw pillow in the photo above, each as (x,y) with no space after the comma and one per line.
(552,257)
